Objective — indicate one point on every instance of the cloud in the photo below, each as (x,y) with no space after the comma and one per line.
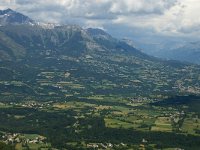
(142,7)
(181,19)
(170,17)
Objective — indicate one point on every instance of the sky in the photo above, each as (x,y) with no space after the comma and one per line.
(138,19)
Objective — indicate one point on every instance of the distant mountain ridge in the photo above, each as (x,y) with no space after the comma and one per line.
(189,52)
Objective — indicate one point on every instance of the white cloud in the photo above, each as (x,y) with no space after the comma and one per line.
(141,6)
(171,17)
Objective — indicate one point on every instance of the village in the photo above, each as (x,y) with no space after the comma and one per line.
(11,138)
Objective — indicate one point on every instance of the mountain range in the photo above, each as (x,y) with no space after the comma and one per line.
(171,49)
(189,52)
(39,56)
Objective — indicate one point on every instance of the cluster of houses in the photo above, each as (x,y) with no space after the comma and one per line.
(100,145)
(140,99)
(111,146)
(32,104)
(13,138)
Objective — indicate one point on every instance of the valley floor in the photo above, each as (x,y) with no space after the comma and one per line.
(102,122)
